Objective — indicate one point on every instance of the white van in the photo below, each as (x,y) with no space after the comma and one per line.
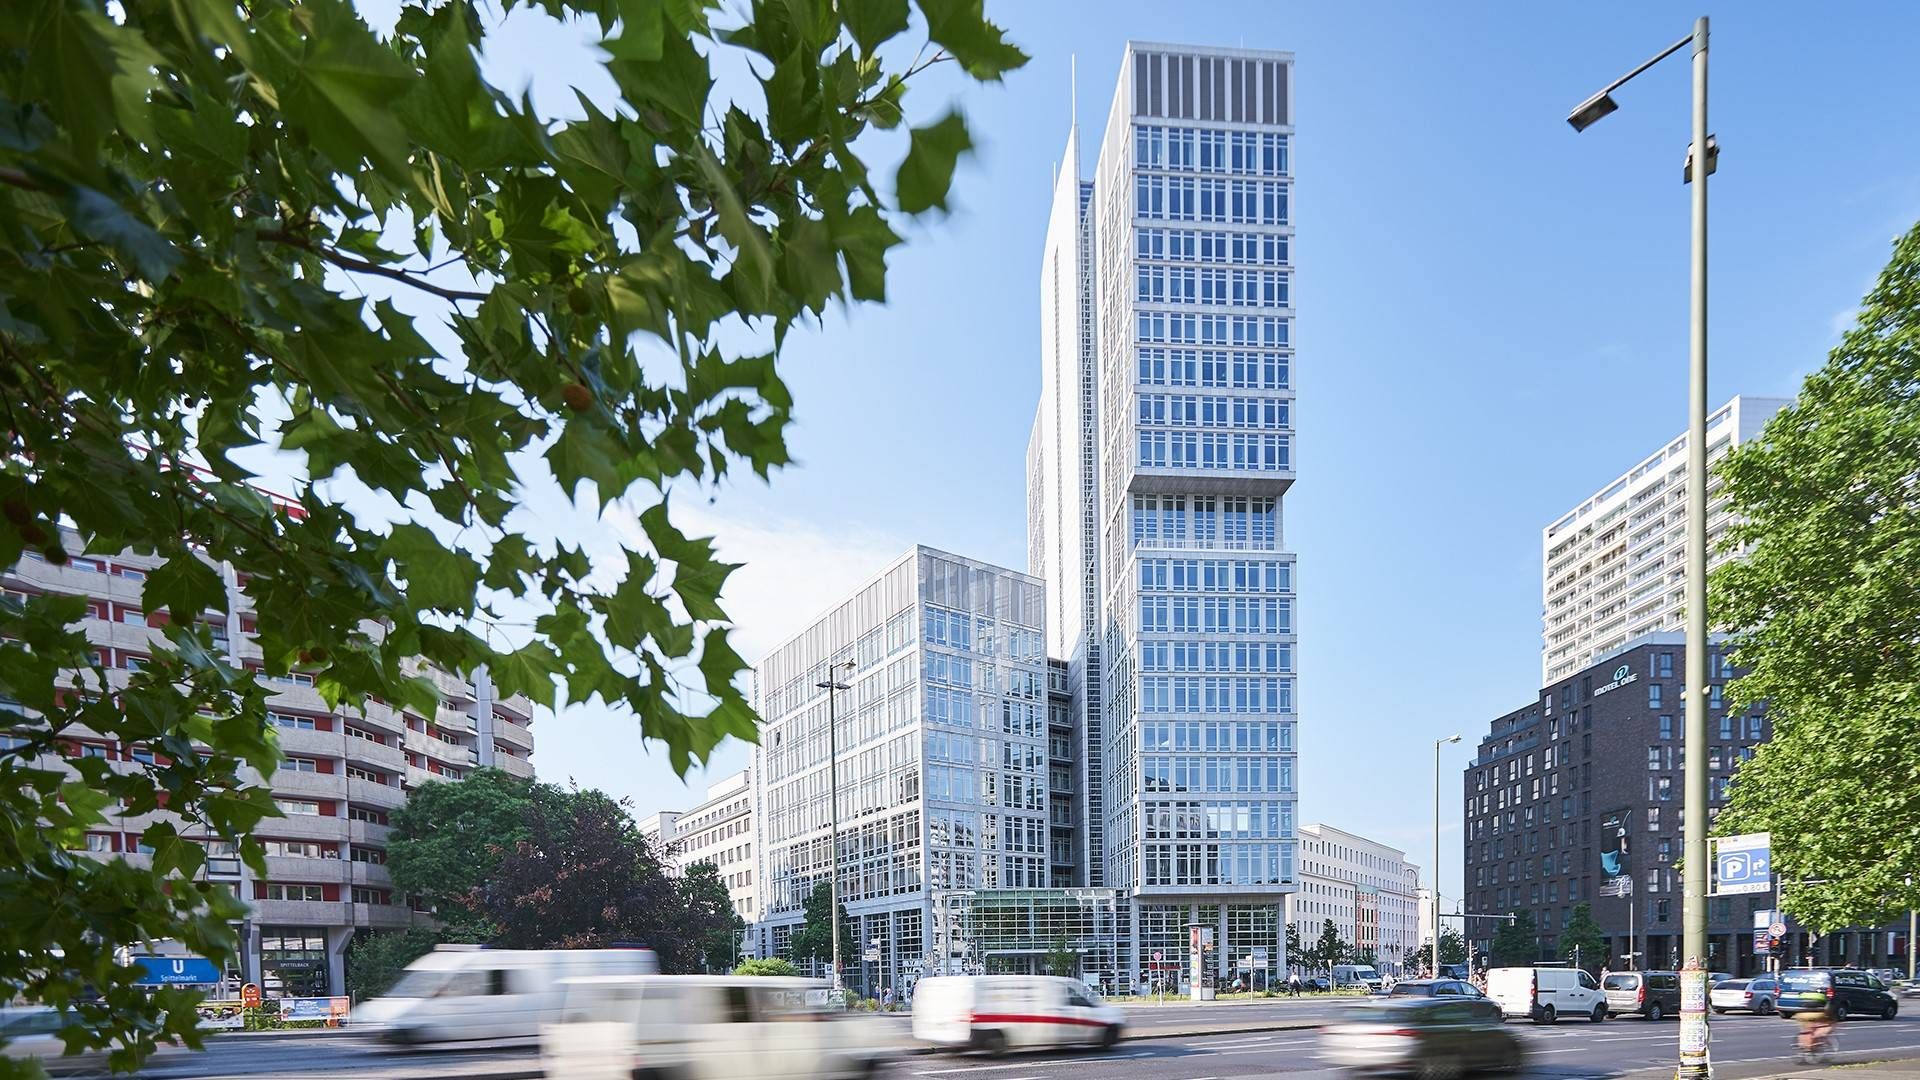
(997,1013)
(1364,975)
(464,992)
(705,1027)
(1545,994)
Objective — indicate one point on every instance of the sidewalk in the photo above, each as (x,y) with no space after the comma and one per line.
(1867,1069)
(1173,1001)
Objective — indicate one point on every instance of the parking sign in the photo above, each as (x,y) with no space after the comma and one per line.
(1742,864)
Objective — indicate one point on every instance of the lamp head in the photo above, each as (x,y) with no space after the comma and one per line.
(1588,112)
(1455,739)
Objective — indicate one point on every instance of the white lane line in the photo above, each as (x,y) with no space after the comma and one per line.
(975,1069)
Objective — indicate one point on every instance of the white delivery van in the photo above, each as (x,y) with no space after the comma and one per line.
(705,1027)
(458,993)
(1362,975)
(997,1013)
(1545,994)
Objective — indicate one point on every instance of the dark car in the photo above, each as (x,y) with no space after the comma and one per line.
(1318,983)
(1838,992)
(1434,988)
(1437,1035)
(1652,994)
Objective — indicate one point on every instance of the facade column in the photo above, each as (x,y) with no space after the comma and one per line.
(1223,963)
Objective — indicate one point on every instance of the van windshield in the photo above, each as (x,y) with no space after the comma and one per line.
(420,983)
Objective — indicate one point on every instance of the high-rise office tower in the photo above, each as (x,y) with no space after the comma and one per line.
(1063,466)
(1613,569)
(1174,408)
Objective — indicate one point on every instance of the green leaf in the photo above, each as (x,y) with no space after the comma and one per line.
(342,89)
(97,217)
(437,577)
(961,27)
(872,22)
(927,173)
(185,586)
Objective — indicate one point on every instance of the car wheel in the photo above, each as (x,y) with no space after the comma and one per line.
(1109,1036)
(1839,1010)
(1441,1068)
(1718,1011)
(1548,1015)
(1654,1012)
(1598,1014)
(1765,1008)
(1890,1011)
(993,1043)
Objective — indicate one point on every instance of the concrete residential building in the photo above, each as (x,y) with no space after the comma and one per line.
(718,830)
(1614,567)
(1369,891)
(942,747)
(1191,290)
(345,772)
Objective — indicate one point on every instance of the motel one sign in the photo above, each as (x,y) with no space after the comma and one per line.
(1622,675)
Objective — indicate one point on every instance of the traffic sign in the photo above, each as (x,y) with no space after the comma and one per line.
(250,996)
(1778,929)
(1743,864)
(1159,955)
(175,971)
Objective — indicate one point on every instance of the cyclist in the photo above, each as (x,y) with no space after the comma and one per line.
(1816,1033)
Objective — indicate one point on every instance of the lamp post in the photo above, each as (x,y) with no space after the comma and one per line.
(1701,156)
(831,685)
(1433,909)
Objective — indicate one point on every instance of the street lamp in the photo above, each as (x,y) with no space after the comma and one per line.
(830,685)
(1434,908)
(1694,1061)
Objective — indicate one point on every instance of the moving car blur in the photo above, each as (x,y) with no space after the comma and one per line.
(460,993)
(997,1013)
(706,1027)
(1438,1034)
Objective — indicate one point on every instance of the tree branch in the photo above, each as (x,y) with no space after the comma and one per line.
(359,265)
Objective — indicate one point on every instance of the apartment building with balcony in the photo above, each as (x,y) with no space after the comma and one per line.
(344,773)
(1613,568)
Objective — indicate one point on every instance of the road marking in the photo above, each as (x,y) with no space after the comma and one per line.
(975,1069)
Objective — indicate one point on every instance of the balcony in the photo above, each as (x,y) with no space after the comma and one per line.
(301,827)
(289,695)
(380,796)
(512,734)
(518,706)
(301,912)
(307,785)
(372,875)
(417,777)
(453,718)
(310,743)
(382,916)
(366,832)
(513,766)
(286,868)
(384,756)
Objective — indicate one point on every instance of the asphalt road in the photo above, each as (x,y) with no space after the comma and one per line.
(1743,1046)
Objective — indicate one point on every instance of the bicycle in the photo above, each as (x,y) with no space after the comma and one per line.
(1819,1038)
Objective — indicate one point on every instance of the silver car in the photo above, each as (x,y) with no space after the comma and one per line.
(1425,1036)
(1760,996)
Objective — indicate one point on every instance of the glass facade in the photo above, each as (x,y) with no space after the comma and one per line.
(1193,294)
(942,750)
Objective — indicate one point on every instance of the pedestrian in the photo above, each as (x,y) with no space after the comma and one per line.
(1293,983)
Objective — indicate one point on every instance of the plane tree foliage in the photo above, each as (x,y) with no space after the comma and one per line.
(1825,603)
(206,208)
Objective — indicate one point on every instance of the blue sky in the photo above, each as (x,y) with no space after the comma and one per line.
(1491,324)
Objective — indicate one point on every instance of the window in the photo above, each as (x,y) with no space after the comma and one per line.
(296,807)
(1666,727)
(1664,669)
(1653,695)
(277,891)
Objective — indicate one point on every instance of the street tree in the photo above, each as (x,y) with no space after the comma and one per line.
(1062,960)
(814,939)
(1583,934)
(769,966)
(1453,950)
(1294,953)
(448,837)
(233,229)
(1516,942)
(1329,948)
(710,926)
(584,877)
(375,959)
(1825,608)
